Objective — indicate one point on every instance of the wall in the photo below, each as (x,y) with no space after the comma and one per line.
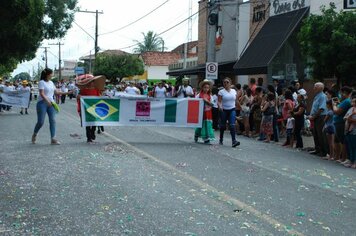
(202,31)
(156,72)
(316,4)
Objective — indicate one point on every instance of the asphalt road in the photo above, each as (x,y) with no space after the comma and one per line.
(157,181)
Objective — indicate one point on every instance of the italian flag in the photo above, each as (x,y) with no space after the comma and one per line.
(191,111)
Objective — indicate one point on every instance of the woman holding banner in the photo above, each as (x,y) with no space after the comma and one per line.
(46,104)
(206,132)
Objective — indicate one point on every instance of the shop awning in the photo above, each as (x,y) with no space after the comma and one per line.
(268,42)
(223,67)
(188,71)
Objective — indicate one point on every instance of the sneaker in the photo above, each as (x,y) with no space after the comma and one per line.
(33,139)
(21,112)
(55,142)
(221,142)
(235,144)
(26,112)
(207,142)
(195,139)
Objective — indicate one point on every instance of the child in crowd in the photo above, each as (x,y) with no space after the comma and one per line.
(290,130)
(268,110)
(206,132)
(350,131)
(329,129)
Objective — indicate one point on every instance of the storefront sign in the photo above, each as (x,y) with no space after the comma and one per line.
(349,4)
(284,6)
(259,13)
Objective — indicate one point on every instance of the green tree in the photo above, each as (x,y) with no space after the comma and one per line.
(328,44)
(24,24)
(151,42)
(117,66)
(22,76)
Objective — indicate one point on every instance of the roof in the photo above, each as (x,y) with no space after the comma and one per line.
(180,48)
(268,42)
(159,58)
(223,67)
(110,52)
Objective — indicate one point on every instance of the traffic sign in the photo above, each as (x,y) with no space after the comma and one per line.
(211,70)
(79,70)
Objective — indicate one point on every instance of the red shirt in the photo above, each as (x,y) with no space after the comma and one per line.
(87,92)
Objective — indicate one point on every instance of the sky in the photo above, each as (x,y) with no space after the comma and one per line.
(117,14)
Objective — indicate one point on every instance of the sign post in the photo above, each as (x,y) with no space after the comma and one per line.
(79,70)
(211,70)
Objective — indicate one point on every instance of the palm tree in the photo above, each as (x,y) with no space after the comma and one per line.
(151,42)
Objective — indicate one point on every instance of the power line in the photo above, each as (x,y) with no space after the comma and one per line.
(83,30)
(165,31)
(136,20)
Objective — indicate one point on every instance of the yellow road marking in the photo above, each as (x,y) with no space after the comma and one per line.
(268,219)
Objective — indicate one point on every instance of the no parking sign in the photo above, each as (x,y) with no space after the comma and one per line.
(211,70)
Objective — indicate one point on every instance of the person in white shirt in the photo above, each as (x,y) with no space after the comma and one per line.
(72,87)
(131,89)
(64,90)
(227,100)
(24,87)
(185,90)
(45,104)
(160,91)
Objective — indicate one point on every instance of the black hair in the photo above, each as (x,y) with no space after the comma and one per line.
(248,92)
(271,96)
(45,73)
(260,81)
(346,89)
(252,80)
(271,88)
(245,87)
(215,90)
(258,90)
(238,86)
(288,94)
(329,102)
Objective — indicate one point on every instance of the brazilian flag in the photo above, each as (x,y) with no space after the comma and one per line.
(101,110)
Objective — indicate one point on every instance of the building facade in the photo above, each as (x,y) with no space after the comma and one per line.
(273,50)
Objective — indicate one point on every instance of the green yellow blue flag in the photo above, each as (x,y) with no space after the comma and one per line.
(100,110)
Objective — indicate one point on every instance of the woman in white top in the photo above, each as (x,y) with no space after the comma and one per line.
(227,100)
(47,90)
(160,91)
(131,89)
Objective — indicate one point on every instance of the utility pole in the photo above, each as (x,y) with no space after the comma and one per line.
(212,26)
(96,48)
(59,60)
(45,48)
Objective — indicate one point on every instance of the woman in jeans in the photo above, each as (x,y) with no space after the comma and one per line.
(47,90)
(227,100)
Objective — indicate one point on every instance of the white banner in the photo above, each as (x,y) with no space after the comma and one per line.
(15,98)
(141,111)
